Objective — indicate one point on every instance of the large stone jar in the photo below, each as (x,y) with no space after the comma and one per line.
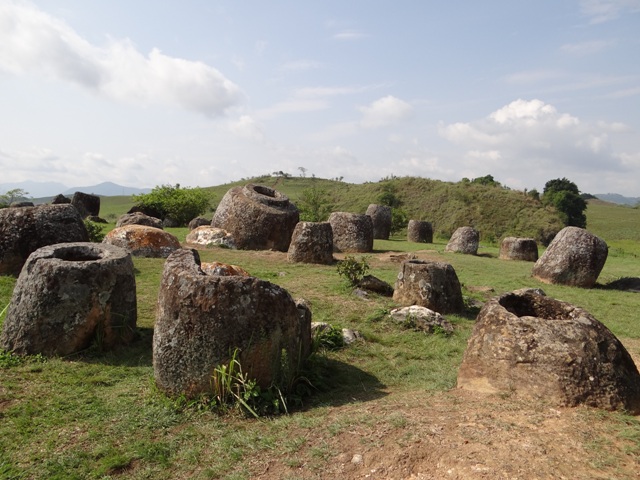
(257,217)
(24,230)
(203,319)
(419,231)
(464,240)
(382,219)
(352,232)
(433,285)
(69,296)
(311,242)
(515,248)
(535,346)
(575,257)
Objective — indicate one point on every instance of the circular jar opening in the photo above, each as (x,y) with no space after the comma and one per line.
(266,195)
(78,254)
(536,306)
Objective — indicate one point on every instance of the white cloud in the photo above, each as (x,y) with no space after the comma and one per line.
(531,140)
(31,41)
(349,35)
(601,11)
(384,111)
(246,127)
(587,48)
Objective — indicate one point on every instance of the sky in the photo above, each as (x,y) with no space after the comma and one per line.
(205,92)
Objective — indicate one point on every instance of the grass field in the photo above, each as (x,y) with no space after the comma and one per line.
(99,415)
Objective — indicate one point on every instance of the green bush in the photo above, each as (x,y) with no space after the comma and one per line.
(352,269)
(181,204)
(314,204)
(94,230)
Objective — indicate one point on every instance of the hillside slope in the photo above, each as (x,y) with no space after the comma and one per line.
(494,211)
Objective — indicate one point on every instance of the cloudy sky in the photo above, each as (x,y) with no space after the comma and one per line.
(203,92)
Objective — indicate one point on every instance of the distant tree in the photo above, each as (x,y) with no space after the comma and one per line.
(315,204)
(533,193)
(564,195)
(487,180)
(303,171)
(388,196)
(12,196)
(181,204)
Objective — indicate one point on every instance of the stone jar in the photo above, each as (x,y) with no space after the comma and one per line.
(352,232)
(69,296)
(535,346)
(203,319)
(514,248)
(381,218)
(433,285)
(419,231)
(464,240)
(312,242)
(257,217)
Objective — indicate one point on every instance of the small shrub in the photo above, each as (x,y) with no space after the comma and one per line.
(328,338)
(95,231)
(353,269)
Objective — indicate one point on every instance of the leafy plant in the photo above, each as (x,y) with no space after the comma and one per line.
(94,230)
(353,269)
(328,338)
(314,204)
(181,204)
(564,195)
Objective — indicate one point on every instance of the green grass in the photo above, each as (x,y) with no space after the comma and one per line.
(99,415)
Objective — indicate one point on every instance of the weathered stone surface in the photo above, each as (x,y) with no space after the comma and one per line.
(169,222)
(143,241)
(575,257)
(224,269)
(149,211)
(69,296)
(198,222)
(257,217)
(434,285)
(21,204)
(207,235)
(464,240)
(352,232)
(202,319)
(60,199)
(24,230)
(381,218)
(421,318)
(311,242)
(540,347)
(86,203)
(419,231)
(514,248)
(374,284)
(138,218)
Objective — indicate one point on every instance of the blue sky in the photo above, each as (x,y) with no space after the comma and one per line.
(205,92)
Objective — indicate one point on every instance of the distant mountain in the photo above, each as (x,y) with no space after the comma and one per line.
(35,189)
(107,189)
(50,189)
(619,199)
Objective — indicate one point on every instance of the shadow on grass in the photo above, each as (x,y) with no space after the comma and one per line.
(337,383)
(137,354)
(625,284)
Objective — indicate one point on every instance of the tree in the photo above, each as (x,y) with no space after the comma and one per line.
(487,180)
(314,204)
(564,195)
(12,196)
(303,171)
(181,204)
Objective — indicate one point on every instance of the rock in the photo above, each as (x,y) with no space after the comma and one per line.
(539,347)
(168,222)
(95,219)
(202,319)
(360,293)
(421,318)
(24,230)
(381,218)
(464,240)
(209,236)
(224,269)
(257,217)
(86,203)
(374,284)
(352,232)
(575,257)
(147,210)
(198,222)
(311,242)
(20,204)
(69,296)
(514,248)
(351,336)
(434,285)
(143,241)
(60,199)
(138,218)
(419,231)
